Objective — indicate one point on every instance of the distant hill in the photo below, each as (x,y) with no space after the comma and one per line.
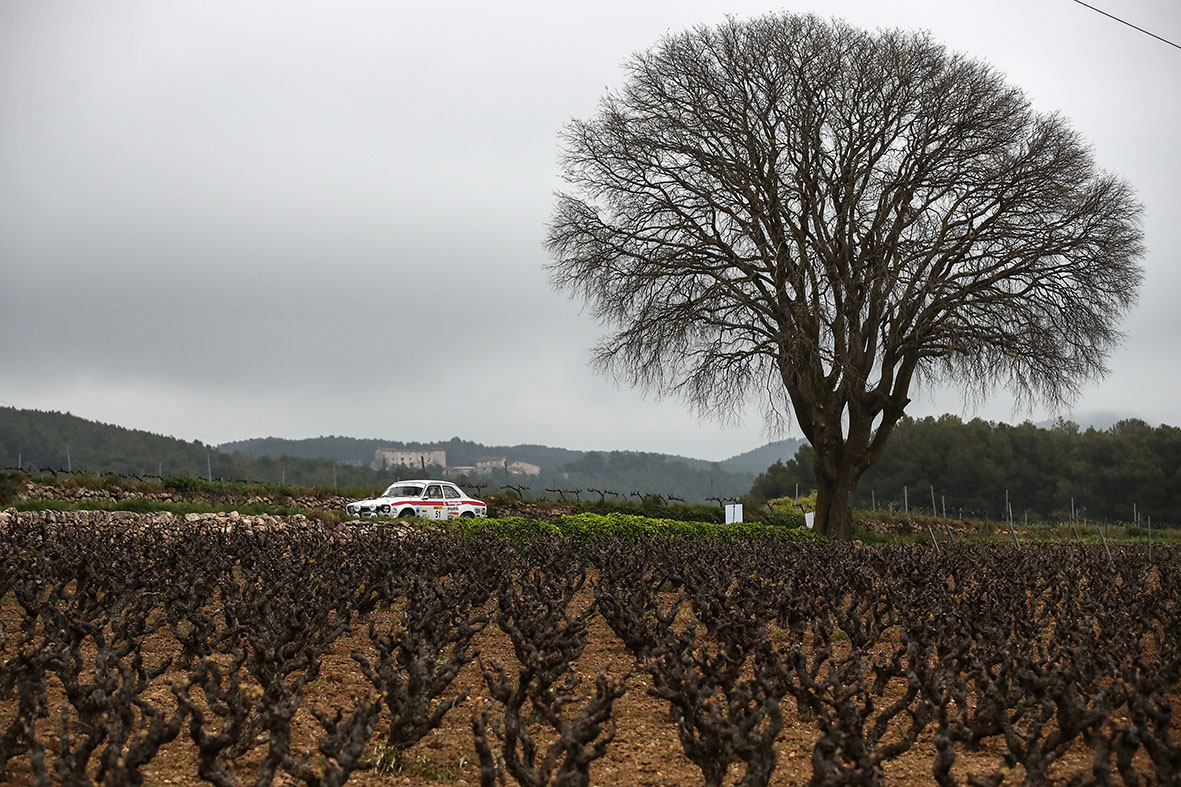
(350,450)
(50,441)
(42,441)
(355,450)
(61,440)
(624,472)
(760,459)
(462,453)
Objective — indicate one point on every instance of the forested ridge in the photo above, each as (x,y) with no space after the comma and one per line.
(1130,470)
(39,440)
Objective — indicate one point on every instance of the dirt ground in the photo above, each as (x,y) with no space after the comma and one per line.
(645,750)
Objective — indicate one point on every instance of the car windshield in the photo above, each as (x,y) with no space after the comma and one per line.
(403,490)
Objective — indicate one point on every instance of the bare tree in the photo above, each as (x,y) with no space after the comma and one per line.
(802,210)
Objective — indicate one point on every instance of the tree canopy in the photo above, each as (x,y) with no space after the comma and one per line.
(819,215)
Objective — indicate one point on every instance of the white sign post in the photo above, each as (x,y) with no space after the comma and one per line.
(733,513)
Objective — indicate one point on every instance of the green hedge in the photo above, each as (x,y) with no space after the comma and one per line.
(776,518)
(586,526)
(655,508)
(511,527)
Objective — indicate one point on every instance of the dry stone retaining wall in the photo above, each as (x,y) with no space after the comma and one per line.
(39,490)
(230,520)
(36,490)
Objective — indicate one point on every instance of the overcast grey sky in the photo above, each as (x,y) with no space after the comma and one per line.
(222,220)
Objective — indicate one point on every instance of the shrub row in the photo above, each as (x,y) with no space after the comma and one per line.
(581,528)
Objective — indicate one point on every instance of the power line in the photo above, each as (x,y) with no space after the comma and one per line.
(1129,24)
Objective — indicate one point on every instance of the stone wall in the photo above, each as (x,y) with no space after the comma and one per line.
(225,521)
(35,490)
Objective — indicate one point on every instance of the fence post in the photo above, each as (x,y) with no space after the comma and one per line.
(935,511)
(931,532)
(1070,531)
(905,500)
(1106,549)
(1009,510)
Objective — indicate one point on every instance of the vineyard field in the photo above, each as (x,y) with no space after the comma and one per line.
(261,650)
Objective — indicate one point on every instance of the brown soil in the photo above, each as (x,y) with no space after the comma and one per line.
(645,750)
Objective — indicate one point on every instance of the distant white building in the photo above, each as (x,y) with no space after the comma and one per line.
(420,458)
(486,466)
(523,468)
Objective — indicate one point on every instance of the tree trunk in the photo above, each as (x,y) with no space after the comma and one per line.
(841,459)
(834,503)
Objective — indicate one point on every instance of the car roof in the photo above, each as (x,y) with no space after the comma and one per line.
(421,481)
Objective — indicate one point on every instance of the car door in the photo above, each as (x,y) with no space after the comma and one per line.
(432,505)
(452,499)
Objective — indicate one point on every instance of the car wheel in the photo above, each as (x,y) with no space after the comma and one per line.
(466,515)
(406,512)
(385,509)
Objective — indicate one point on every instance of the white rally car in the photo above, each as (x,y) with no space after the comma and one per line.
(426,499)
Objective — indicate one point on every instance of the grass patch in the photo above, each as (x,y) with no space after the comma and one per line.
(11,483)
(389,761)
